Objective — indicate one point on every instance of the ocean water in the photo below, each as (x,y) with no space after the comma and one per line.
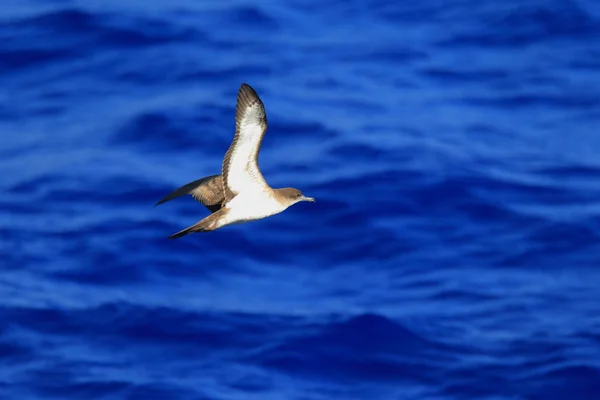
(453,252)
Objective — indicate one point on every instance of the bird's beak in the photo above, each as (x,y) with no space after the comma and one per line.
(311,199)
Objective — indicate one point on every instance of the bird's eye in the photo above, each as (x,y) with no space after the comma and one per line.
(298,195)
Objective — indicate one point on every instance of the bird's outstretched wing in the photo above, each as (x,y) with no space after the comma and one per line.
(208,191)
(240,164)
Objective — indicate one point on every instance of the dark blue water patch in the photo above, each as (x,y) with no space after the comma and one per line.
(116,190)
(25,50)
(553,101)
(13,352)
(208,72)
(582,382)
(112,226)
(17,59)
(47,110)
(70,20)
(565,237)
(207,117)
(552,192)
(559,19)
(66,386)
(511,188)
(253,383)
(211,253)
(77,34)
(390,53)
(573,171)
(326,83)
(153,127)
(462,295)
(196,332)
(287,130)
(104,269)
(136,33)
(373,333)
(164,391)
(487,130)
(404,13)
(251,17)
(128,261)
(588,61)
(445,76)
(370,244)
(108,29)
(398,54)
(483,388)
(478,211)
(555,247)
(70,387)
(363,347)
(167,131)
(14,254)
(34,185)
(534,23)
(177,329)
(389,180)
(362,153)
(205,256)
(492,379)
(552,252)
(452,189)
(353,103)
(160,71)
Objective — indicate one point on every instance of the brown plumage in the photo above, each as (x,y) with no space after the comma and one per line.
(207,191)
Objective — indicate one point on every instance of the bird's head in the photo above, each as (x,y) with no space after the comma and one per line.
(291,196)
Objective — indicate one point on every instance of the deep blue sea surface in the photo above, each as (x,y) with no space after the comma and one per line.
(453,252)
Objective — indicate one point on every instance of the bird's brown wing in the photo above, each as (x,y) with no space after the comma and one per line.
(208,191)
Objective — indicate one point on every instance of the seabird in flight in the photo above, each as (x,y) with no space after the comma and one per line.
(240,194)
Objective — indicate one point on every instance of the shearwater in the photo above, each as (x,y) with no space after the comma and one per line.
(240,193)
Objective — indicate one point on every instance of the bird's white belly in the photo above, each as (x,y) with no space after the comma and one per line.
(252,206)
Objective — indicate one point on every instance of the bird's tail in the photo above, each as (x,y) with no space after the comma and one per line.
(185,189)
(210,223)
